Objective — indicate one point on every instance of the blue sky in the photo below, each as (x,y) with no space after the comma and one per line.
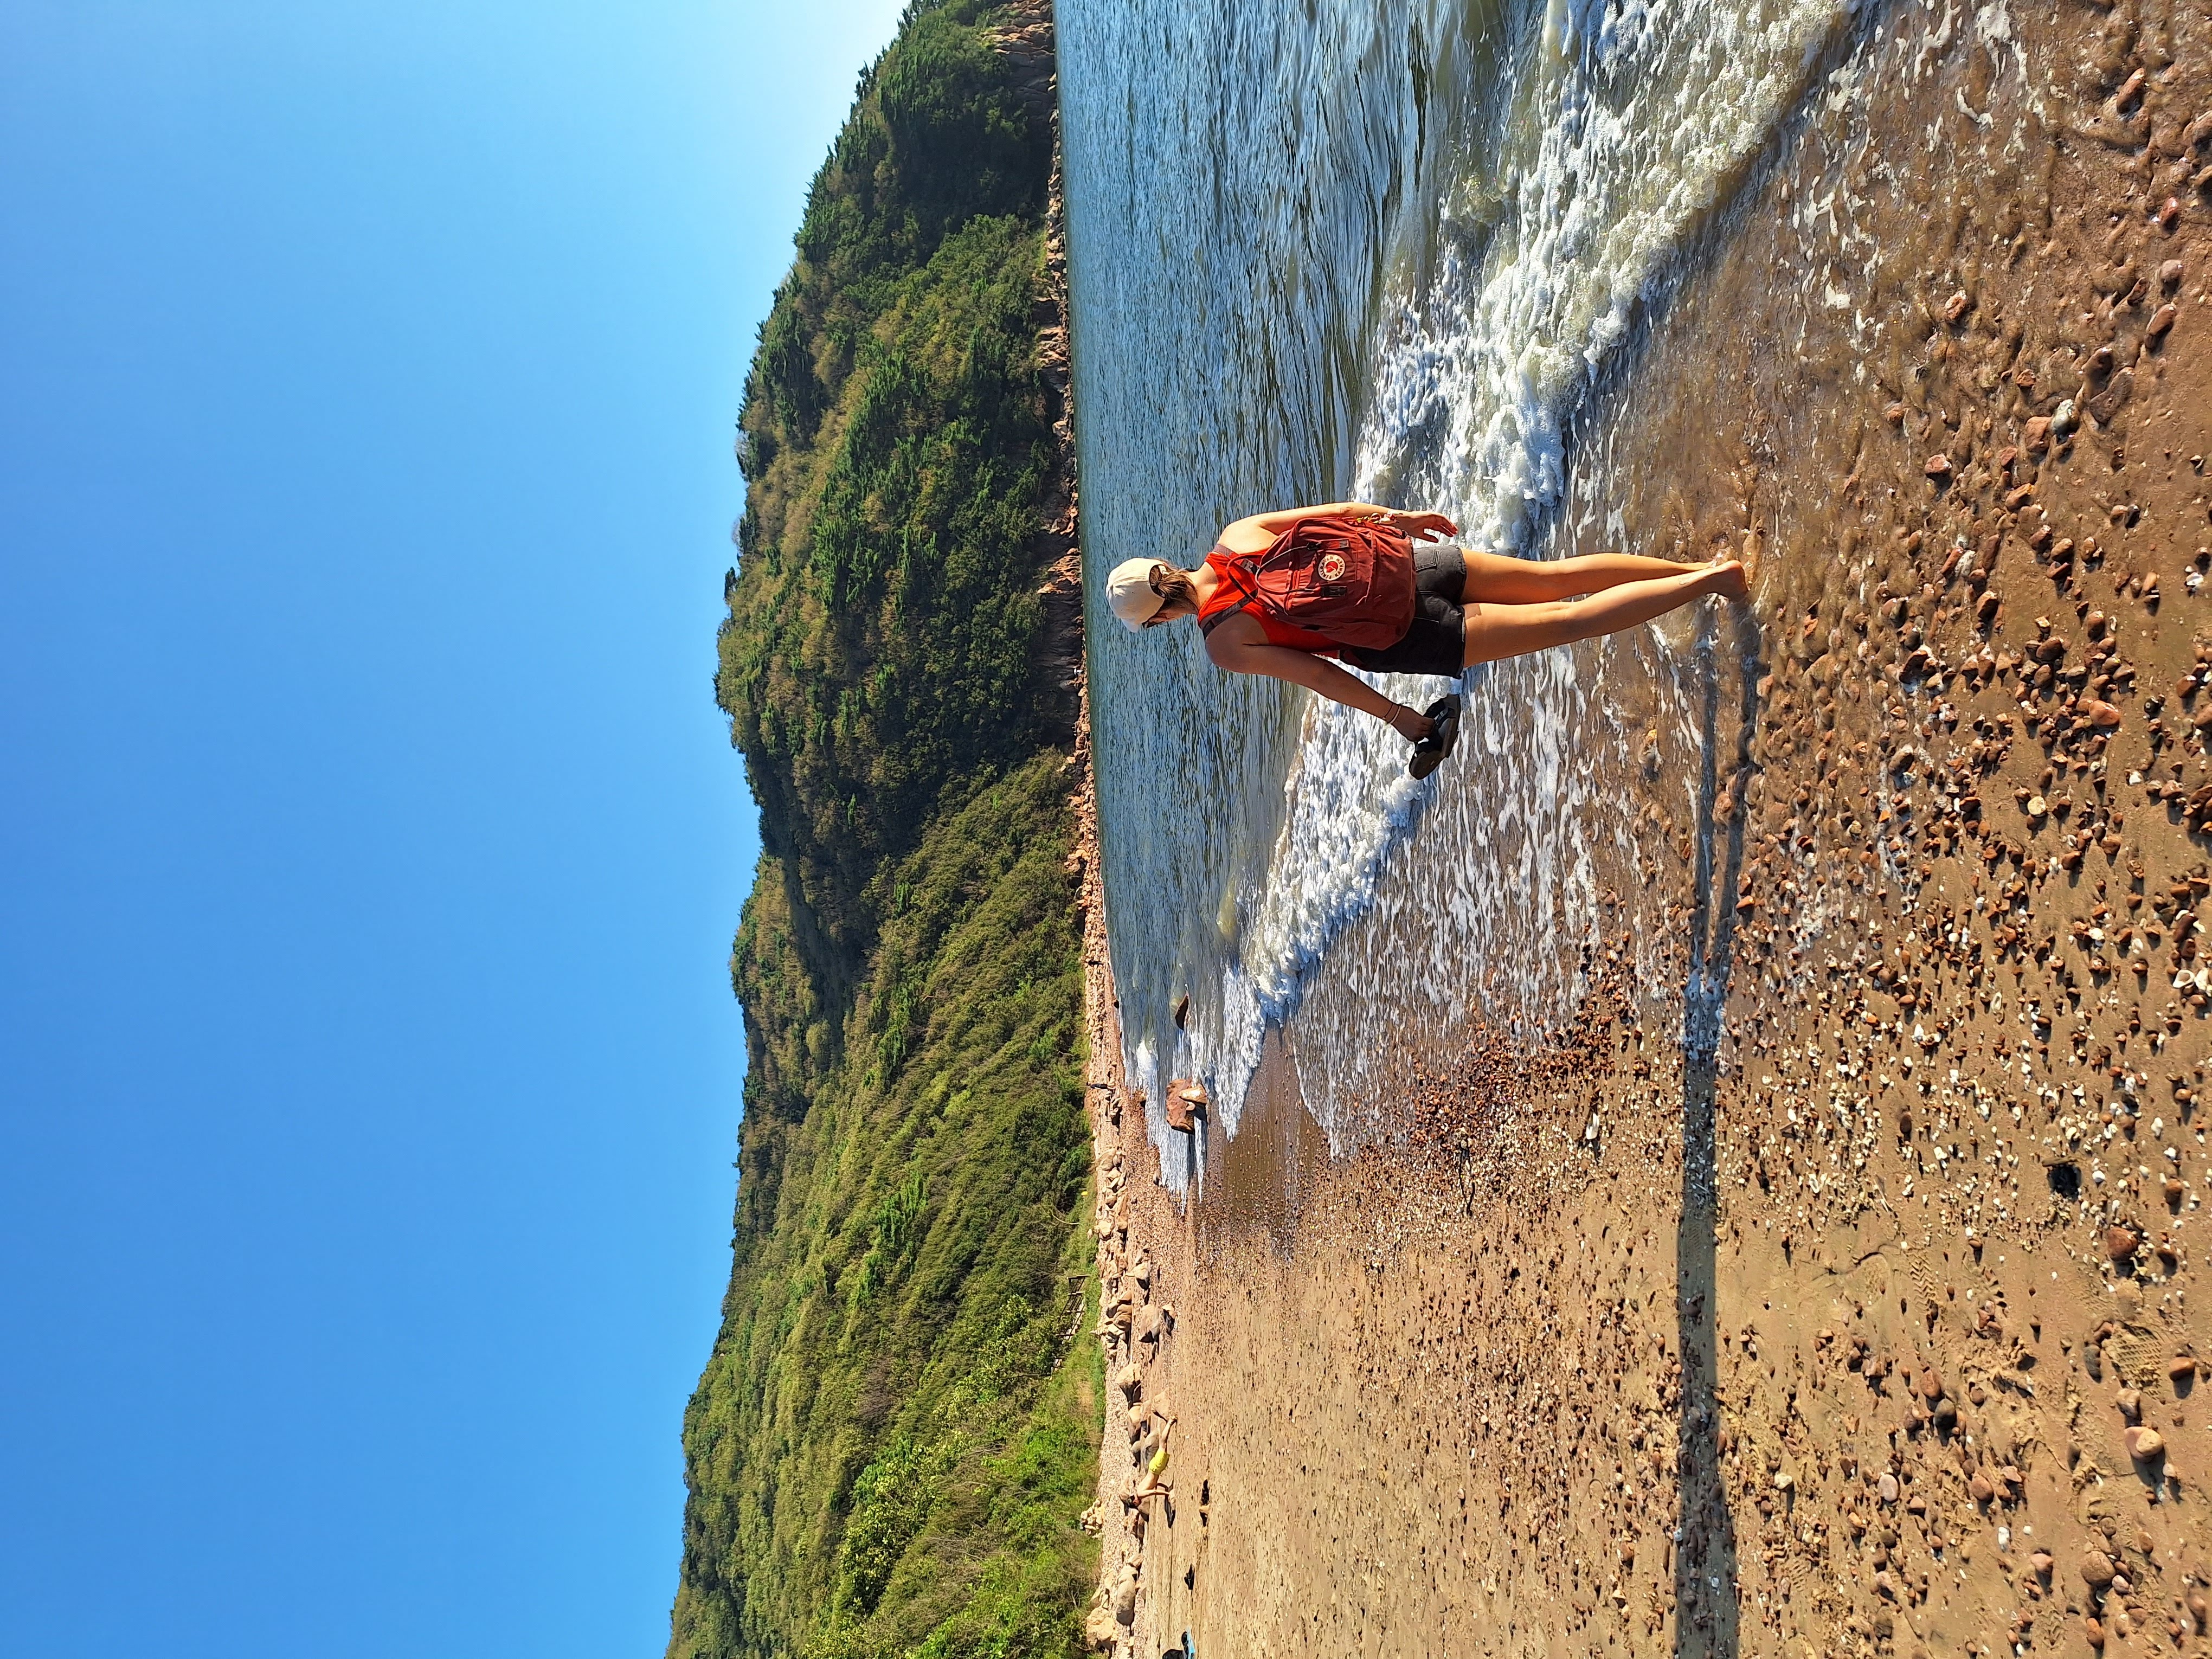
(368,1071)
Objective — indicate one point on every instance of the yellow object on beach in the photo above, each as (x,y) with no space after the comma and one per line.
(1159,1460)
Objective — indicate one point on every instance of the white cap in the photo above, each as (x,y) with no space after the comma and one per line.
(1129,592)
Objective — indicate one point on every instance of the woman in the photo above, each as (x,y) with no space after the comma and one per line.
(1468,608)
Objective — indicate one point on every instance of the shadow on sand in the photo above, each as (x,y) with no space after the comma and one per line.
(1706,1613)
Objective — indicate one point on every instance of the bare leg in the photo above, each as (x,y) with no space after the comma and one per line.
(1500,579)
(1496,631)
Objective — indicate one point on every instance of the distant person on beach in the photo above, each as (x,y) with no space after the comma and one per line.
(1280,593)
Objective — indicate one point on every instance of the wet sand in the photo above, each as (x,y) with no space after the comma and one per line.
(1812,1291)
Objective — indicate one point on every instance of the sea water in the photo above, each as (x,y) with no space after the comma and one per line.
(1381,250)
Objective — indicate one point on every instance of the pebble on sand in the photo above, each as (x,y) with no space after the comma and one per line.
(1939,465)
(2120,1244)
(1888,1489)
(2144,1445)
(2096,1569)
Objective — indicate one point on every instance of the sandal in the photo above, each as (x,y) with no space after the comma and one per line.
(1430,752)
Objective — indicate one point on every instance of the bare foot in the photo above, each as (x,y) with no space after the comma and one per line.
(1754,550)
(1729,579)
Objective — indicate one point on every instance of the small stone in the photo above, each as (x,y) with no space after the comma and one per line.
(2096,1569)
(2169,274)
(2093,1631)
(2169,213)
(2037,432)
(1980,1489)
(2144,1443)
(1101,1629)
(2064,420)
(2182,1368)
(2036,806)
(2161,320)
(2130,90)
(1939,464)
(1931,1385)
(2101,714)
(1888,1488)
(2042,1563)
(1894,414)
(2199,1609)
(2120,1244)
(2173,1190)
(2131,1404)
(1955,306)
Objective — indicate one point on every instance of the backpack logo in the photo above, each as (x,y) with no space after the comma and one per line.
(1331,568)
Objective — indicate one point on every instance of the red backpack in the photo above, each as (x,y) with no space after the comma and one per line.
(1350,581)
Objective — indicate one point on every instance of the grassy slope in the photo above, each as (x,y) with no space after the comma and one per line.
(894,1437)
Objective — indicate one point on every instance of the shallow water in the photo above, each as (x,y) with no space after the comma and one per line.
(1410,253)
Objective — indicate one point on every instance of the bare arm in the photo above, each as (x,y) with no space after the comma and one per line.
(1241,656)
(1252,533)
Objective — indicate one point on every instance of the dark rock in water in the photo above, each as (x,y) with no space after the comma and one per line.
(1185,1100)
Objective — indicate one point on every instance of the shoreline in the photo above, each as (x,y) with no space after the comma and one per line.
(1832,1324)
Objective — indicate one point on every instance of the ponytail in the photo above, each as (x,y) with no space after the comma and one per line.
(1172,585)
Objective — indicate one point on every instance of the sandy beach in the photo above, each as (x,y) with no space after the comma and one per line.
(1821,1287)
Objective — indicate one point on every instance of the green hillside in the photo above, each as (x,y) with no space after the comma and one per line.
(898,1427)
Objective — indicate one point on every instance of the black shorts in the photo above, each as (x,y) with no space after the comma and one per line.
(1436,641)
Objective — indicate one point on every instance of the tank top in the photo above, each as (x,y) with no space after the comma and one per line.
(1226,593)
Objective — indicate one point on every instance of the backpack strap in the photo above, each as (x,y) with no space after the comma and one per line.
(1233,572)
